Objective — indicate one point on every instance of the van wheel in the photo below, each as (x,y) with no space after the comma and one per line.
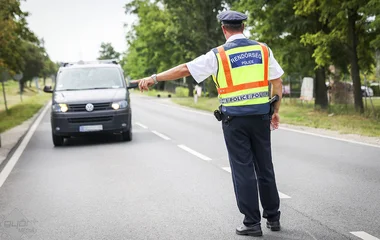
(127,135)
(58,140)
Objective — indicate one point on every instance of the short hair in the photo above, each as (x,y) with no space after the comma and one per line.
(233,27)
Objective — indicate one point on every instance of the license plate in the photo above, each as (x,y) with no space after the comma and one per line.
(91,128)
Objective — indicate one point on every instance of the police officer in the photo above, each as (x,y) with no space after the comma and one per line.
(242,70)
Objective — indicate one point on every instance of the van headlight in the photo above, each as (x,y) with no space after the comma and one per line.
(120,105)
(61,107)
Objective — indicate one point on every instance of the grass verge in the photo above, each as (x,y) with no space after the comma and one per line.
(335,119)
(20,111)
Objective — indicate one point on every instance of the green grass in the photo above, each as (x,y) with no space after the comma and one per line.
(20,111)
(338,118)
(207,104)
(13,95)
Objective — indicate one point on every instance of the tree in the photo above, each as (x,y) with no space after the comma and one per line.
(34,58)
(171,32)
(347,24)
(107,52)
(194,28)
(13,31)
(49,67)
(276,24)
(148,53)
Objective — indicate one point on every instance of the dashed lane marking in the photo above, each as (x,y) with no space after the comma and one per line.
(280,194)
(364,235)
(283,196)
(141,125)
(161,135)
(195,153)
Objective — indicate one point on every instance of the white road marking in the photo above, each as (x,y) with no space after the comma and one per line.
(329,137)
(280,194)
(17,154)
(161,135)
(195,153)
(283,196)
(282,128)
(141,125)
(364,236)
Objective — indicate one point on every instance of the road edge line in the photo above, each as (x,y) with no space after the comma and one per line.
(189,109)
(19,148)
(329,137)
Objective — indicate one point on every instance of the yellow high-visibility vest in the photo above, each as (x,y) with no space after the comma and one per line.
(242,77)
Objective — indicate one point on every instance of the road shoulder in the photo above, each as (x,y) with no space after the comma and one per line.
(11,138)
(288,127)
(334,134)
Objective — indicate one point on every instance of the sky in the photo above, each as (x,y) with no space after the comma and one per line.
(74,29)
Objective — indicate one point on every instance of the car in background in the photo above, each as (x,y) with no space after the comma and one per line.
(88,98)
(367,91)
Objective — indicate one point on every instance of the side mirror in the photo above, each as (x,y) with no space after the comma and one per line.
(48,89)
(133,85)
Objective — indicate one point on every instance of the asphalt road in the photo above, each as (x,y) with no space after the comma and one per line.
(172,182)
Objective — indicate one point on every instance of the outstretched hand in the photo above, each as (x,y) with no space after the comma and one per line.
(144,83)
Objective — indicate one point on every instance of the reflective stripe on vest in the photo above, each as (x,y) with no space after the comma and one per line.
(247,82)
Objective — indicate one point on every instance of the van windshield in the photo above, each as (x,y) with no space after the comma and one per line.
(89,78)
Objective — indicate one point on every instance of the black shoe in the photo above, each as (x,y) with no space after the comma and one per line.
(274,226)
(254,231)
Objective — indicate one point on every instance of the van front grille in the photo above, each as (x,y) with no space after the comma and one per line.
(90,119)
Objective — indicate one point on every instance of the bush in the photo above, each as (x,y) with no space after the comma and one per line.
(181,92)
(376,90)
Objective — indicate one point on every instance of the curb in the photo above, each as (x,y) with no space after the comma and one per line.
(15,146)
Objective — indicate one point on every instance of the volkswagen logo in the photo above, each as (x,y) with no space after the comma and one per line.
(89,107)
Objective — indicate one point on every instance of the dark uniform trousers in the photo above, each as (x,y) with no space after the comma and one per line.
(248,141)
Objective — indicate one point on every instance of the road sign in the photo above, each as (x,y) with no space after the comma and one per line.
(18,76)
(4,76)
(307,89)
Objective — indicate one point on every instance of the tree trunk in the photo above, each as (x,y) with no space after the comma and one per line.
(22,85)
(44,81)
(377,63)
(189,81)
(355,71)
(320,88)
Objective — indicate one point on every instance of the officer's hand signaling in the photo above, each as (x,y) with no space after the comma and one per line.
(275,121)
(144,83)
